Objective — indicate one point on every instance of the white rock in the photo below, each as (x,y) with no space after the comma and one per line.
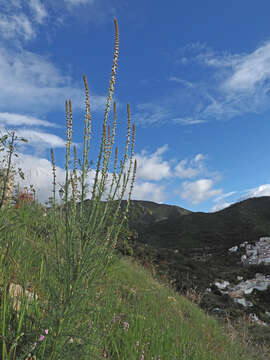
(243,244)
(16,291)
(222,285)
(254,318)
(233,249)
(243,302)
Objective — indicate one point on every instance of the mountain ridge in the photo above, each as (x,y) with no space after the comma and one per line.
(171,226)
(247,219)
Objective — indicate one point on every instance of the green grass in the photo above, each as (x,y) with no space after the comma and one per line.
(128,314)
(79,298)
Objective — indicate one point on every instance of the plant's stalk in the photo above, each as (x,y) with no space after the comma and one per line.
(110,94)
(3,313)
(54,217)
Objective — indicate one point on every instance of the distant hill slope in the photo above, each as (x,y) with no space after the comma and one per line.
(242,221)
(170,226)
(143,213)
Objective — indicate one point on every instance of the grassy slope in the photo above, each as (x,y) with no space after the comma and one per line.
(151,319)
(171,320)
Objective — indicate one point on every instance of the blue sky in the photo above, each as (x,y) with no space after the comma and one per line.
(196,75)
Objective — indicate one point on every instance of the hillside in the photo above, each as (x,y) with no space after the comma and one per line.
(173,227)
(248,219)
(127,312)
(192,250)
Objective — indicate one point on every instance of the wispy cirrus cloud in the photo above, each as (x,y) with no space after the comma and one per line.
(227,85)
(79,2)
(187,121)
(183,82)
(39,10)
(220,206)
(250,72)
(19,20)
(16,26)
(240,82)
(149,114)
(262,190)
(223,196)
(37,84)
(22,20)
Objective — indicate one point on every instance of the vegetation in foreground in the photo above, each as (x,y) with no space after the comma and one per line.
(67,294)
(128,314)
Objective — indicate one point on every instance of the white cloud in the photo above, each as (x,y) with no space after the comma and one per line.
(16,26)
(6,5)
(262,190)
(16,3)
(250,71)
(183,172)
(40,141)
(219,207)
(37,137)
(79,2)
(37,84)
(238,84)
(191,49)
(224,60)
(39,10)
(148,191)
(187,121)
(21,20)
(38,172)
(152,167)
(198,191)
(155,114)
(149,113)
(199,157)
(181,81)
(15,21)
(220,204)
(243,83)
(221,197)
(12,119)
